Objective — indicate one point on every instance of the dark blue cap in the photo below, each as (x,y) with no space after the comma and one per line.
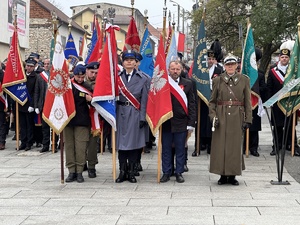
(139,57)
(79,70)
(128,54)
(30,61)
(93,65)
(34,55)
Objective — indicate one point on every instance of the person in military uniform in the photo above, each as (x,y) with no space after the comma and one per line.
(205,124)
(230,112)
(76,133)
(131,115)
(3,113)
(91,75)
(174,130)
(26,112)
(274,84)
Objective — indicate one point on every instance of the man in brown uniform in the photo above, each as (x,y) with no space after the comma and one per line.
(230,112)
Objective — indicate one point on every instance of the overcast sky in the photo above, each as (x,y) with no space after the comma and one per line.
(154,7)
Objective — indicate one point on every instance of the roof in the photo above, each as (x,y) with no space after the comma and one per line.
(154,31)
(81,12)
(60,15)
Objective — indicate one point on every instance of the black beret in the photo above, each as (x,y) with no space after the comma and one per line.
(79,70)
(93,65)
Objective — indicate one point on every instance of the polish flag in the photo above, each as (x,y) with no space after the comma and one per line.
(59,107)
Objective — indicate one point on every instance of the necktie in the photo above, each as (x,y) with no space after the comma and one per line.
(127,77)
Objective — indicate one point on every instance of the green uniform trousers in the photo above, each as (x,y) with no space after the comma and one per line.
(92,152)
(76,141)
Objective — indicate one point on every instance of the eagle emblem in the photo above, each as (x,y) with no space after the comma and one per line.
(157,82)
(59,82)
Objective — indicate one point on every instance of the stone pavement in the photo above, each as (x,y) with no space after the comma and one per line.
(31,193)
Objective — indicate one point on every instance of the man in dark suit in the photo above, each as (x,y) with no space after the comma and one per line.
(174,131)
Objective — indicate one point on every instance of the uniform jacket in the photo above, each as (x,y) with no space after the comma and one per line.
(40,90)
(273,86)
(82,117)
(226,156)
(180,120)
(129,135)
(30,84)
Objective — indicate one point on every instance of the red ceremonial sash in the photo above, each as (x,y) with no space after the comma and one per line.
(45,76)
(127,93)
(178,93)
(278,75)
(94,115)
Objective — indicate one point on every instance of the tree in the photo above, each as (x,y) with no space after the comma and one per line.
(273,22)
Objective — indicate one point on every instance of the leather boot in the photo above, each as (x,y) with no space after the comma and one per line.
(80,178)
(136,170)
(131,177)
(71,177)
(123,173)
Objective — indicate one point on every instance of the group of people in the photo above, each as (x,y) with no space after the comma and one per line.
(222,122)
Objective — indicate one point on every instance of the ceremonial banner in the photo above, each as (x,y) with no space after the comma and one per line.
(291,101)
(105,89)
(14,80)
(70,51)
(96,52)
(83,48)
(249,66)
(159,106)
(200,71)
(181,41)
(95,38)
(147,63)
(59,107)
(132,41)
(172,51)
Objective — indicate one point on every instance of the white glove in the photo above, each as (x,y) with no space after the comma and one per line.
(190,129)
(37,111)
(30,109)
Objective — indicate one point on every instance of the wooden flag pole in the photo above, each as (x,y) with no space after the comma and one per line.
(113,140)
(198,128)
(17,125)
(159,154)
(247,142)
(53,141)
(101,140)
(62,175)
(293,135)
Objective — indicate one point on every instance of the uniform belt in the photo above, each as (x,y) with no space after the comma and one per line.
(231,103)
(127,103)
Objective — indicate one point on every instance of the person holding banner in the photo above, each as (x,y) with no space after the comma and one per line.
(274,84)
(93,146)
(76,133)
(26,112)
(230,112)
(174,130)
(131,116)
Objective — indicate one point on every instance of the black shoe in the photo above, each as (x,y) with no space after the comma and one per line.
(296,153)
(194,154)
(131,178)
(165,178)
(21,147)
(179,178)
(139,167)
(273,152)
(71,177)
(232,180)
(92,173)
(254,153)
(222,180)
(122,177)
(146,150)
(186,169)
(44,149)
(80,178)
(38,145)
(27,148)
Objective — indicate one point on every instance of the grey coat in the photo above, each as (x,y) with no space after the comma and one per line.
(226,157)
(129,135)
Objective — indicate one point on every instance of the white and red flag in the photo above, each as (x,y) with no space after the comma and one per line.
(59,107)
(159,106)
